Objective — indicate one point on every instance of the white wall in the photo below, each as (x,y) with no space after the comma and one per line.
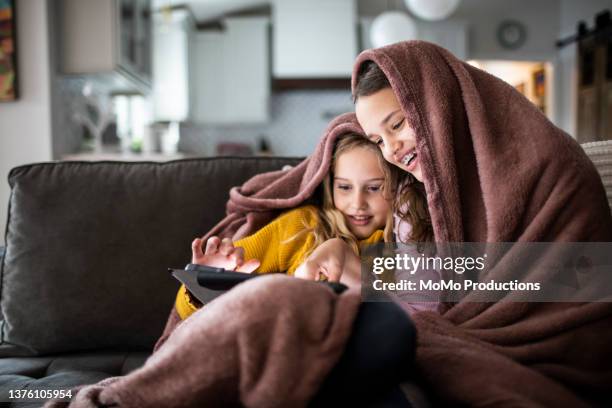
(572,11)
(540,17)
(25,125)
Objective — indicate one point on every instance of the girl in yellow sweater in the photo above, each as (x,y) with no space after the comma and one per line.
(355,210)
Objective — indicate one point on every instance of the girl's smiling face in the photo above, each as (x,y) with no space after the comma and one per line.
(358,191)
(381,117)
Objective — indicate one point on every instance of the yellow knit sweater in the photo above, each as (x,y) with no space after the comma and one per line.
(278,246)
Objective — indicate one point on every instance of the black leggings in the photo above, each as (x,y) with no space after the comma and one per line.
(378,356)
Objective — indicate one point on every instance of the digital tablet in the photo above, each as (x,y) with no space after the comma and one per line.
(206,283)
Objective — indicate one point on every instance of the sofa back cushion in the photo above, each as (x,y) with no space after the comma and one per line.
(600,154)
(88,246)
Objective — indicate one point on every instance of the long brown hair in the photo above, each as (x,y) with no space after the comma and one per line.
(410,202)
(331,223)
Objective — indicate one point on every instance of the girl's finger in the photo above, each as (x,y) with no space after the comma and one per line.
(237,255)
(249,266)
(333,272)
(196,249)
(308,270)
(226,247)
(212,245)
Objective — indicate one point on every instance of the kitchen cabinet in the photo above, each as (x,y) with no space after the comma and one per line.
(314,39)
(111,38)
(230,73)
(171,67)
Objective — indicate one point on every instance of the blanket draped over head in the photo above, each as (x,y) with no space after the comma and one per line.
(496,170)
(258,201)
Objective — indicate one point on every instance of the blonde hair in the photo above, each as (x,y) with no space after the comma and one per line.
(331,222)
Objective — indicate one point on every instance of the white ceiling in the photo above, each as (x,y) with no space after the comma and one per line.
(205,10)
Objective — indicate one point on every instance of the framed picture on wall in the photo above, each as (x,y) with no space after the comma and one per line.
(8,52)
(539,88)
(539,83)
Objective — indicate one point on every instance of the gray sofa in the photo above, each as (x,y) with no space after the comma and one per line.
(85,291)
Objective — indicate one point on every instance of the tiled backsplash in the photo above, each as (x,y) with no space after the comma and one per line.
(297,121)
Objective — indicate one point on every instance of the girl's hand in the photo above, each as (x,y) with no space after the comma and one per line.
(335,260)
(221,254)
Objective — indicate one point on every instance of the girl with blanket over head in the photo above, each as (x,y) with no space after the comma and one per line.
(355,210)
(481,163)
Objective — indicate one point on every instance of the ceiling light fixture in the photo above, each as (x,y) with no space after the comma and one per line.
(391,27)
(432,10)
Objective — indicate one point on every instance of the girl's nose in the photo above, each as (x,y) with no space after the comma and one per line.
(358,199)
(391,145)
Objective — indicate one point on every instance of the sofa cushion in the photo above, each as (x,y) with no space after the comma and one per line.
(64,372)
(88,244)
(600,154)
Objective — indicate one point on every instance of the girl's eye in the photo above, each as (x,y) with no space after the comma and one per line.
(374,189)
(398,124)
(379,142)
(343,186)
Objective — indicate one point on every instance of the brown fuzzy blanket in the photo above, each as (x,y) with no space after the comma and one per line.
(496,170)
(269,342)
(259,200)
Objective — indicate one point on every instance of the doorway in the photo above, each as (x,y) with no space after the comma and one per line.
(531,78)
